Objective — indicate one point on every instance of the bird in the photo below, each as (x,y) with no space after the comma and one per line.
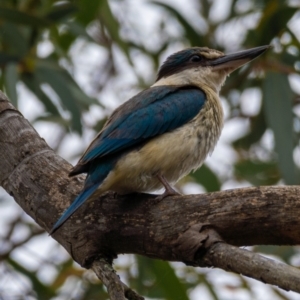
(164,132)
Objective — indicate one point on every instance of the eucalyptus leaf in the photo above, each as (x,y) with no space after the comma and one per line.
(42,290)
(61,11)
(165,282)
(88,10)
(59,84)
(11,81)
(258,127)
(206,177)
(113,27)
(6,58)
(167,279)
(257,172)
(274,13)
(192,35)
(277,103)
(33,85)
(284,252)
(14,41)
(21,17)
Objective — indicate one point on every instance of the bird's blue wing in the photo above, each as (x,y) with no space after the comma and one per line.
(152,112)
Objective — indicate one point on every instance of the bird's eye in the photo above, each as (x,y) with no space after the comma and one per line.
(196,58)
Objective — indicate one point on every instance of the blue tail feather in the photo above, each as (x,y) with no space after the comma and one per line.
(79,200)
(96,175)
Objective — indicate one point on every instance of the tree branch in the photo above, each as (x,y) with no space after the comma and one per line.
(110,279)
(241,261)
(117,290)
(175,229)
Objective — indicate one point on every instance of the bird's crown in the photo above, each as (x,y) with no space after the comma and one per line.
(187,58)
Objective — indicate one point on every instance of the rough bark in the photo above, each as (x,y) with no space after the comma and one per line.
(231,258)
(116,289)
(175,229)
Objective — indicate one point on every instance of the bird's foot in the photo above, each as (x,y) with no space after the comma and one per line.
(115,195)
(167,193)
(169,190)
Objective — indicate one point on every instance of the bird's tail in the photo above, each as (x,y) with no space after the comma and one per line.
(95,177)
(79,200)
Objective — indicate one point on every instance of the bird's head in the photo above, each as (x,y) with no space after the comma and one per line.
(203,66)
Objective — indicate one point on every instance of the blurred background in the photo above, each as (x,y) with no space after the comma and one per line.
(66,65)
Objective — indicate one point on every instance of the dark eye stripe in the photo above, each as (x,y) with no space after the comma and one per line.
(181,60)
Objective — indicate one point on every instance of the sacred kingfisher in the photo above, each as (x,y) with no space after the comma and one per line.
(162,133)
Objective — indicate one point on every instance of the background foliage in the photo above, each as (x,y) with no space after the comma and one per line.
(67,64)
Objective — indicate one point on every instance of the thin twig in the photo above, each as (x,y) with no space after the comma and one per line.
(131,294)
(105,272)
(116,289)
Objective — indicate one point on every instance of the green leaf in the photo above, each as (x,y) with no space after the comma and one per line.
(60,85)
(99,125)
(277,103)
(88,10)
(284,252)
(61,11)
(42,291)
(112,26)
(5,58)
(190,33)
(11,80)
(276,13)
(14,41)
(258,127)
(20,17)
(33,84)
(287,60)
(206,177)
(257,172)
(210,287)
(78,30)
(167,279)
(82,98)
(54,119)
(66,269)
(165,282)
(64,39)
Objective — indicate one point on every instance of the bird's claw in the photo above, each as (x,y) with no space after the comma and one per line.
(167,193)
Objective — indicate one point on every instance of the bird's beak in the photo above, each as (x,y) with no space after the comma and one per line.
(231,62)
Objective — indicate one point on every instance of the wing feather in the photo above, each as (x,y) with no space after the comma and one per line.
(152,112)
